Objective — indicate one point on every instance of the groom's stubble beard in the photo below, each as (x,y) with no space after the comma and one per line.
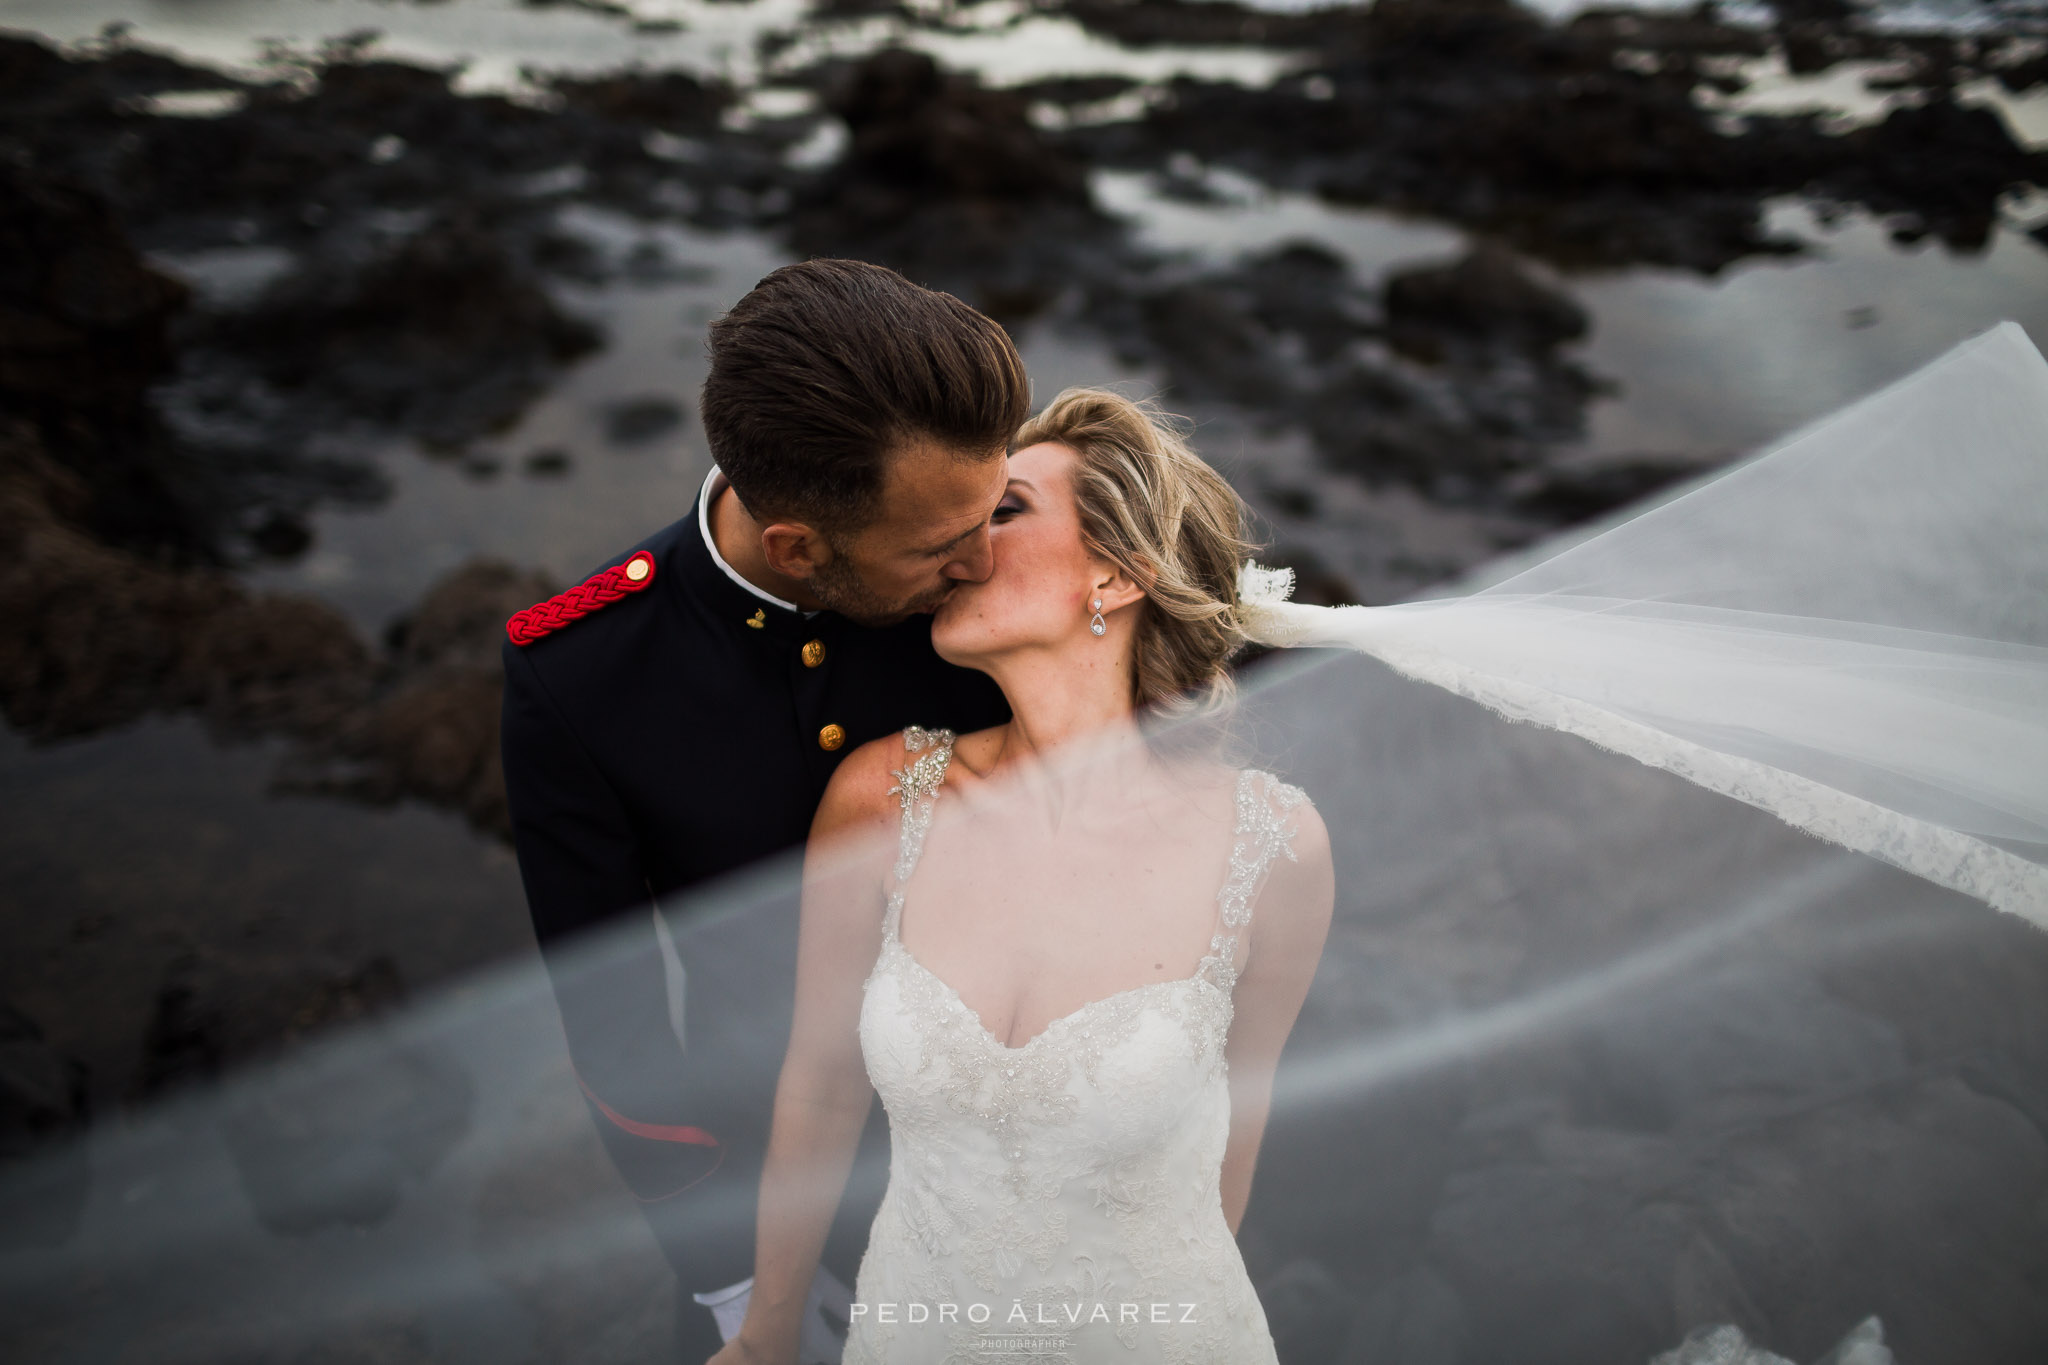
(840,587)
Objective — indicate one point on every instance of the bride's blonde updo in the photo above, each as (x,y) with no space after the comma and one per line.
(1150,506)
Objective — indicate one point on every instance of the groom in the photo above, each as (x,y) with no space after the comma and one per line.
(678,715)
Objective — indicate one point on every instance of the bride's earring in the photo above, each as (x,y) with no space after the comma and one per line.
(1098,625)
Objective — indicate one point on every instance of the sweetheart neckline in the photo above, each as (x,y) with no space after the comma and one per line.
(1199,975)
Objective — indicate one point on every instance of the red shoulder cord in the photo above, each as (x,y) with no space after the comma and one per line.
(600,588)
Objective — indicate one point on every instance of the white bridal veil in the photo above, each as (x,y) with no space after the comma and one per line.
(1849,631)
(1596,1057)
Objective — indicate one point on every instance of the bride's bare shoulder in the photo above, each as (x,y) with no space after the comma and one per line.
(862,789)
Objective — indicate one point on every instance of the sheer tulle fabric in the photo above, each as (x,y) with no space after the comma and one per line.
(1594,1056)
(1849,631)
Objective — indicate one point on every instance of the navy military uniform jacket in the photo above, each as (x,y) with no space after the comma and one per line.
(665,738)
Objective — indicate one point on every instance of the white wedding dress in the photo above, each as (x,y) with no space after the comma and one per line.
(1058,1201)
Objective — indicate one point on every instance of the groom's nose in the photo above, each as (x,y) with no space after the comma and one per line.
(975,560)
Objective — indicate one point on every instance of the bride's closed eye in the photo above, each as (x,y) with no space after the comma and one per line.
(1010,506)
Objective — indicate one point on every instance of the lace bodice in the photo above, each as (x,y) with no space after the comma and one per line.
(1064,1192)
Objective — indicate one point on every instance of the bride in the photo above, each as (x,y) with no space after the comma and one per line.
(1071,968)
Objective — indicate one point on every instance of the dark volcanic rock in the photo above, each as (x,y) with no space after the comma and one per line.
(460,622)
(1472,391)
(1451,389)
(1583,143)
(343,135)
(547,464)
(335,1138)
(919,131)
(38,82)
(84,331)
(212,1014)
(43,1173)
(87,331)
(416,225)
(1943,165)
(1072,90)
(337,1141)
(634,420)
(96,636)
(671,100)
(1214,341)
(441,335)
(1487,295)
(1479,112)
(1304,290)
(353,135)
(947,179)
(1259,333)
(42,1093)
(1573,493)
(1144,23)
(431,733)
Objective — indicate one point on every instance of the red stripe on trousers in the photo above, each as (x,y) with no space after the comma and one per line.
(660,1132)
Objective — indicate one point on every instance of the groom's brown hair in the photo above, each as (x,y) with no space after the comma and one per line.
(826,368)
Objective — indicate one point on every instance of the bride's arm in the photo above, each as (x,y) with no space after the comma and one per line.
(823,1096)
(1289,924)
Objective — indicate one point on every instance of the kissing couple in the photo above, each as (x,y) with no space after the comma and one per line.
(927,634)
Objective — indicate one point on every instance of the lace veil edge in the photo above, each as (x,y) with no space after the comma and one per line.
(1943,855)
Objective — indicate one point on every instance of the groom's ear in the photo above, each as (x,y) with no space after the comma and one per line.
(793,549)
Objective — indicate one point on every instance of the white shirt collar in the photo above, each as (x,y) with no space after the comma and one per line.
(714,484)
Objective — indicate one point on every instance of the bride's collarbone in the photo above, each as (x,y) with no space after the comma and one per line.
(1180,797)
(1018,840)
(1090,874)
(1013,967)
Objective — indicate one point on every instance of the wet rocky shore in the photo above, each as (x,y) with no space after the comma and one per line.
(412,231)
(395,260)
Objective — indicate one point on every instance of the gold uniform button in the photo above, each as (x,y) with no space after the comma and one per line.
(831,737)
(814,653)
(636,569)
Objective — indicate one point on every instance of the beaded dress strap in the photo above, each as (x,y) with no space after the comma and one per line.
(1265,827)
(917,784)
